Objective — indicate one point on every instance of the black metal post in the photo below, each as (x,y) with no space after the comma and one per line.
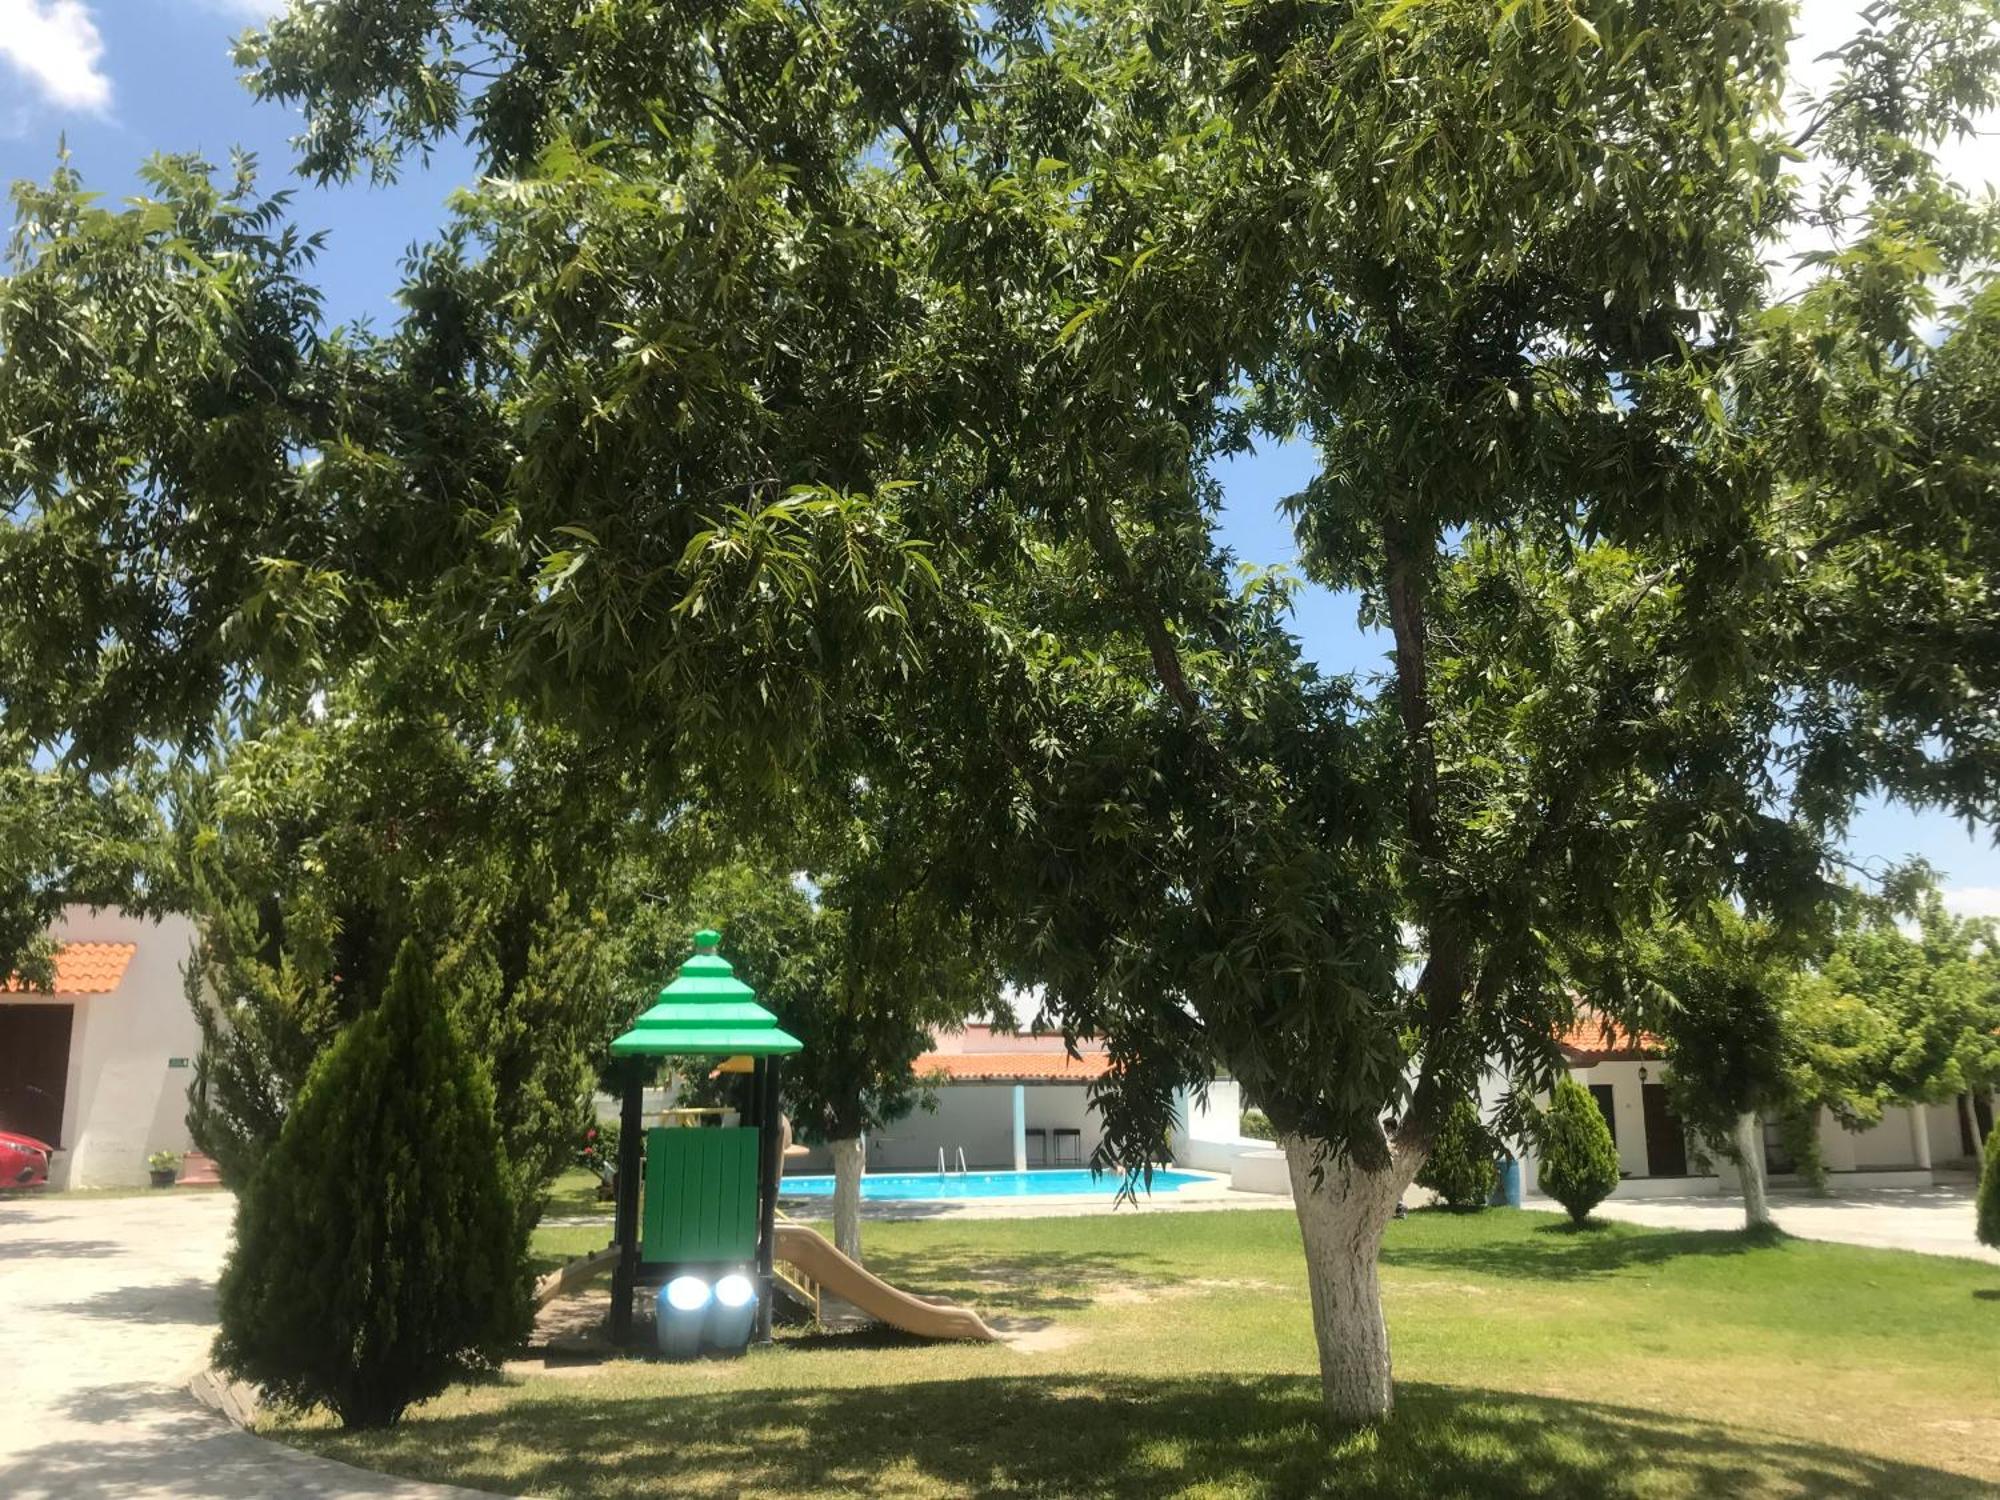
(625,1223)
(768,1167)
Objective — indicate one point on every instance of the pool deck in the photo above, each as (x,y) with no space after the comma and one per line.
(1210,1193)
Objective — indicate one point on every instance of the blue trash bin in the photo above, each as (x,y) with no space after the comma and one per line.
(733,1313)
(1507,1192)
(680,1312)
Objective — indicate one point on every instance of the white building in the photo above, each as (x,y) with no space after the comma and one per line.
(1627,1075)
(1005,1100)
(98,1065)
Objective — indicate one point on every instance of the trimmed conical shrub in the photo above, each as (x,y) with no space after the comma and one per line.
(1460,1168)
(379,1254)
(1579,1158)
(1989,1194)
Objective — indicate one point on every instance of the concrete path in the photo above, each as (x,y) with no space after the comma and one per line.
(107,1307)
(1928,1220)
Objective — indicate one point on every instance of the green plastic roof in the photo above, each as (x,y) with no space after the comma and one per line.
(706,1012)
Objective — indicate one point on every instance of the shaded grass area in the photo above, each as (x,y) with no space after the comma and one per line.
(1175,1357)
(1127,1436)
(574,1192)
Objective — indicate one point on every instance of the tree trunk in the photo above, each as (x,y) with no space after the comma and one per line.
(1748,1140)
(847,1164)
(1342,1217)
(1968,1115)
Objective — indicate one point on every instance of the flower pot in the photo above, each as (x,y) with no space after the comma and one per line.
(162,1176)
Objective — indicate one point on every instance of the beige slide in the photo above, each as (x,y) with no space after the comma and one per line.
(816,1256)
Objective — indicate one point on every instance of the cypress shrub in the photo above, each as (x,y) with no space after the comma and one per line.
(380,1254)
(1989,1194)
(1460,1168)
(1579,1158)
(1255,1125)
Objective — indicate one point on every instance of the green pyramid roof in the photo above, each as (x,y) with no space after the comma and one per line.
(706,1012)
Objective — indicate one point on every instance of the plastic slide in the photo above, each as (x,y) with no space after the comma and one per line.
(816,1256)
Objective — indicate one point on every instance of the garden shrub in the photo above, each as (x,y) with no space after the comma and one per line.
(1255,1125)
(1989,1194)
(1460,1168)
(380,1254)
(597,1153)
(1579,1158)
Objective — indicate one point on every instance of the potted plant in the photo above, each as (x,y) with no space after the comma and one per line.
(162,1165)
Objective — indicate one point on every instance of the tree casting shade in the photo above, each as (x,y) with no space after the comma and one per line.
(706,1012)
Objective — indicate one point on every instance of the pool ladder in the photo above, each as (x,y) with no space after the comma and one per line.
(945,1171)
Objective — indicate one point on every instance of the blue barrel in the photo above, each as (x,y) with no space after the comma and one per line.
(1507,1192)
(680,1312)
(732,1314)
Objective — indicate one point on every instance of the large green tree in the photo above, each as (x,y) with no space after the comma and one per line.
(1726,987)
(814,390)
(856,961)
(394,811)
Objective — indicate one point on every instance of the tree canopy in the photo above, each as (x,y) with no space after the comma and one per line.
(830,394)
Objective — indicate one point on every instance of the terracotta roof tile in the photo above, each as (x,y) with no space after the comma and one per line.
(1013,1067)
(84,969)
(1594,1037)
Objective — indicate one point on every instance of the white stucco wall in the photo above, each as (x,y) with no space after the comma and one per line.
(122,1100)
(980,1118)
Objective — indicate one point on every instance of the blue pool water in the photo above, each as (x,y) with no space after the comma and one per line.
(934,1187)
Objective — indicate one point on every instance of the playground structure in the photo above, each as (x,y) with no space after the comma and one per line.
(696,1211)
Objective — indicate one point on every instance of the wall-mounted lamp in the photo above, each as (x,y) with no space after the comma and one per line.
(1642,1072)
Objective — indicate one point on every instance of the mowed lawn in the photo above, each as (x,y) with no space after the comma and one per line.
(1172,1354)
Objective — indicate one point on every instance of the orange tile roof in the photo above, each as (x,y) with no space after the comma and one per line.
(1012,1067)
(1594,1037)
(84,969)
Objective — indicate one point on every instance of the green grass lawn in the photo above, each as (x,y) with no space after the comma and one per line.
(574,1193)
(1173,1356)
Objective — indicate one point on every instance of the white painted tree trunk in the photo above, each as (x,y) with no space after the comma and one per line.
(847,1164)
(1748,1140)
(1341,1217)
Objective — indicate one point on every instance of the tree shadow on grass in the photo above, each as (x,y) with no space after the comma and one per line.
(1028,1284)
(1124,1438)
(1563,1251)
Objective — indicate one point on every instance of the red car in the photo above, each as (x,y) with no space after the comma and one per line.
(24,1161)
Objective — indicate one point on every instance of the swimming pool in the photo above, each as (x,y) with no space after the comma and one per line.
(936,1187)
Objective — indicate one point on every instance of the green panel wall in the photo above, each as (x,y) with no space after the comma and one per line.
(701,1195)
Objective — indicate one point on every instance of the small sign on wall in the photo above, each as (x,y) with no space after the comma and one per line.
(177,1062)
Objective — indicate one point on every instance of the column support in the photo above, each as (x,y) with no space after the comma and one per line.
(770,1118)
(625,1221)
(1020,1127)
(1920,1135)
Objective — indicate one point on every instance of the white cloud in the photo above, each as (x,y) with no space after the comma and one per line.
(56,44)
(1974,900)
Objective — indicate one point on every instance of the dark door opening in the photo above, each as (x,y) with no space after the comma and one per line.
(1666,1145)
(34,1069)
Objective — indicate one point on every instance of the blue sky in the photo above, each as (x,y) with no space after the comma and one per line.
(123,78)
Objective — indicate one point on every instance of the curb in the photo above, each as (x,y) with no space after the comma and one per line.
(236,1401)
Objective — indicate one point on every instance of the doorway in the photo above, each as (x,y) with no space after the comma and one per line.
(1666,1144)
(34,1069)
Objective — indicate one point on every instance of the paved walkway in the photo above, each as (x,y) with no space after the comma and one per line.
(1930,1220)
(107,1306)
